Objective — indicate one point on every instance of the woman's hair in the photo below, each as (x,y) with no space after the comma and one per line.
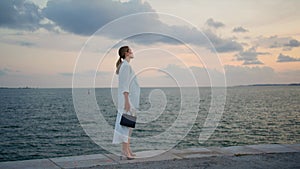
(122,51)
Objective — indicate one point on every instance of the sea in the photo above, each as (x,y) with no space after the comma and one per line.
(40,123)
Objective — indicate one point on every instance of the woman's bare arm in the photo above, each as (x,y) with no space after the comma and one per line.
(127,105)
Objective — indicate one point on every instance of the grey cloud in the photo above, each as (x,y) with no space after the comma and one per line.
(81,17)
(18,40)
(5,71)
(244,44)
(150,38)
(223,45)
(242,75)
(214,24)
(239,29)
(250,56)
(290,76)
(286,58)
(287,49)
(25,43)
(67,74)
(287,43)
(186,35)
(20,14)
(275,45)
(84,18)
(252,62)
(293,43)
(194,76)
(235,75)
(85,73)
(207,76)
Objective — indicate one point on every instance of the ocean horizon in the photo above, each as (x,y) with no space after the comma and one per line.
(241,85)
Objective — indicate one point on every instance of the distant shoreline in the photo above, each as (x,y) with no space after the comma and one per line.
(247,85)
(19,87)
(290,84)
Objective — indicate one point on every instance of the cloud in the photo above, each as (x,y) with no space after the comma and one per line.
(223,45)
(293,43)
(192,36)
(81,17)
(6,71)
(89,73)
(182,75)
(289,76)
(287,43)
(286,58)
(239,29)
(241,75)
(253,62)
(25,43)
(250,56)
(20,14)
(178,75)
(214,24)
(204,78)
(235,75)
(86,18)
(67,74)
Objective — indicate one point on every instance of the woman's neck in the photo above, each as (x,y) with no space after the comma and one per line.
(127,59)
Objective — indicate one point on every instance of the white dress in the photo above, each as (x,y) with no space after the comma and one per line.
(127,83)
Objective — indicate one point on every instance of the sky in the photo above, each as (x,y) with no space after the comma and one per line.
(56,43)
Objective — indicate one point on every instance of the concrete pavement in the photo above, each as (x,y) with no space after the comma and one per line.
(111,160)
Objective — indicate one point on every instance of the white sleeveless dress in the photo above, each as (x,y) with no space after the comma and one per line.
(127,83)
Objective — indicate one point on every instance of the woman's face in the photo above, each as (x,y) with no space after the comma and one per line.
(129,53)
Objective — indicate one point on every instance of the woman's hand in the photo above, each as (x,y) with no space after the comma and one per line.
(127,104)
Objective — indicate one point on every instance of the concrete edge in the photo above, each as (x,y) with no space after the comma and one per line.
(111,159)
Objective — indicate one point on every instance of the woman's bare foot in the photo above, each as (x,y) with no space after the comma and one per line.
(126,155)
(132,154)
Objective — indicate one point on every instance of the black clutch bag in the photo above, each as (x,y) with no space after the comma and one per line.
(128,120)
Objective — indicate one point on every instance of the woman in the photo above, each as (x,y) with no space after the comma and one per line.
(128,99)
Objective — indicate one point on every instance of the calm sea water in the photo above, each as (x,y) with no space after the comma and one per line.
(42,123)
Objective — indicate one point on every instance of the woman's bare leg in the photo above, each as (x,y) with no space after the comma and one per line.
(130,131)
(124,148)
(126,152)
(129,149)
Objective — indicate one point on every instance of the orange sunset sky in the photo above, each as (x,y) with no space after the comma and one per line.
(254,41)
